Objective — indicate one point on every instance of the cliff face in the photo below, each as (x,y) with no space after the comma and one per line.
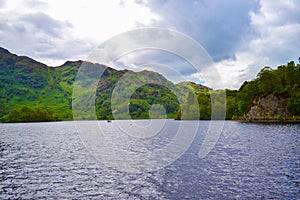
(268,107)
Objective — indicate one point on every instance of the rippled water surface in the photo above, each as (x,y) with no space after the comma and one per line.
(49,160)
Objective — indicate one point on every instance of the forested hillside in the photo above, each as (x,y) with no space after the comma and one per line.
(32,91)
(28,86)
(274,94)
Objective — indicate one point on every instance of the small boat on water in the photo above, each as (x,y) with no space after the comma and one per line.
(108,121)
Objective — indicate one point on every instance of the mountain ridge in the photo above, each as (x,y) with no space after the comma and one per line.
(33,91)
(26,82)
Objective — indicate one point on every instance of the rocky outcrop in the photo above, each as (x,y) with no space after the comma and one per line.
(269,107)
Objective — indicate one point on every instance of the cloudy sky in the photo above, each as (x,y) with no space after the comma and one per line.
(241,36)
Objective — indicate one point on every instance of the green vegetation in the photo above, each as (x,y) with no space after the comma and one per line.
(32,91)
(147,96)
(282,83)
(34,85)
(25,82)
(27,114)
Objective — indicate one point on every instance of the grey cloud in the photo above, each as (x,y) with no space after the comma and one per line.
(35,4)
(65,50)
(45,23)
(144,58)
(278,26)
(267,31)
(2,3)
(217,25)
(279,13)
(41,37)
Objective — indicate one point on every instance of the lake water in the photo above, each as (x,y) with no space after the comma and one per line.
(249,161)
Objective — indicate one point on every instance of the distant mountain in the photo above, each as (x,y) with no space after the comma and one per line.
(33,91)
(34,85)
(196,87)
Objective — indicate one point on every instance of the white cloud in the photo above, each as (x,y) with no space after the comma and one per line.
(100,20)
(54,31)
(241,37)
(276,28)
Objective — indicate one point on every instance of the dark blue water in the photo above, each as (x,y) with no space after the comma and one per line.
(249,161)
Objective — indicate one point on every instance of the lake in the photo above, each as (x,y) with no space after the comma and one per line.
(50,160)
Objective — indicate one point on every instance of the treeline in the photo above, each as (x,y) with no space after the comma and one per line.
(31,91)
(157,101)
(30,114)
(149,96)
(283,82)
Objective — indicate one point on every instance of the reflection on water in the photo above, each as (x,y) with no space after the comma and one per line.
(48,160)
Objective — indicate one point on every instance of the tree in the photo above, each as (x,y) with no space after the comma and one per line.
(27,114)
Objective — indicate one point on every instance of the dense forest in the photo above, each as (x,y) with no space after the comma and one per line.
(32,91)
(279,87)
(26,83)
(282,83)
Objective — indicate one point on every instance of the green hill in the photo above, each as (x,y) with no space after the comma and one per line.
(28,84)
(273,95)
(33,91)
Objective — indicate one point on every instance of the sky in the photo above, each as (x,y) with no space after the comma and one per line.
(240,36)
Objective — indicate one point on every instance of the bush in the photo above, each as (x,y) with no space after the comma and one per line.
(27,114)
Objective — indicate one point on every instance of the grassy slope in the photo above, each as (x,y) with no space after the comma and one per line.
(27,82)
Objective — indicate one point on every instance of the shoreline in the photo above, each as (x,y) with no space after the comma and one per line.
(234,120)
(271,121)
